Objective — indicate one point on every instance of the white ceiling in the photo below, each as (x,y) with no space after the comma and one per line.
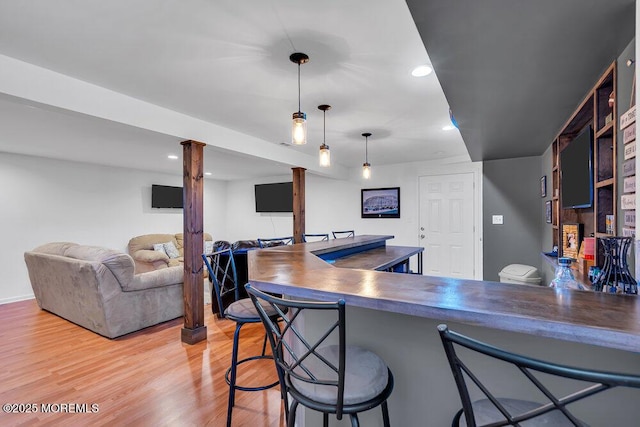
(226,63)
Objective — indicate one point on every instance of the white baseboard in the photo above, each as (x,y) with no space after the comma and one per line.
(16,299)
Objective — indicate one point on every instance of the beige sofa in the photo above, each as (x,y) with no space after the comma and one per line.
(96,288)
(146,259)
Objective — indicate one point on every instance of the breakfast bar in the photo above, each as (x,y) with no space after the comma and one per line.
(396,315)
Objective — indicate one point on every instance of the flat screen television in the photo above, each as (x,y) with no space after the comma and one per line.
(576,164)
(164,196)
(276,197)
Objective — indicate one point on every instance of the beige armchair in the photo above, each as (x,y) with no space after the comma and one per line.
(147,259)
(97,288)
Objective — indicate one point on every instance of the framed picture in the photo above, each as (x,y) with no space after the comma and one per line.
(543,186)
(380,202)
(571,237)
(548,209)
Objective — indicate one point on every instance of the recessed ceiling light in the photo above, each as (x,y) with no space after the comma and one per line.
(421,71)
(448,127)
(172,157)
(208,173)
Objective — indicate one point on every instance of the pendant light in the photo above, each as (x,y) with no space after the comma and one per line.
(299,124)
(325,154)
(366,167)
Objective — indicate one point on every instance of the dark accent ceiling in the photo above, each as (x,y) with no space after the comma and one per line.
(514,71)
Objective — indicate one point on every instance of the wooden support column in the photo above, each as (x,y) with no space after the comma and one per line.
(298,204)
(194,329)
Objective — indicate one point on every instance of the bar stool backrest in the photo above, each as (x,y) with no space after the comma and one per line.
(293,352)
(315,237)
(600,380)
(345,233)
(276,241)
(223,275)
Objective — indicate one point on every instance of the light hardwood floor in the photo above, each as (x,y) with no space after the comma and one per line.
(148,378)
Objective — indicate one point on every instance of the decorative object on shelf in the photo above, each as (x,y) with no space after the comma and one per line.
(615,276)
(543,186)
(571,235)
(564,277)
(629,134)
(628,117)
(630,150)
(380,202)
(325,154)
(299,124)
(608,224)
(547,211)
(366,166)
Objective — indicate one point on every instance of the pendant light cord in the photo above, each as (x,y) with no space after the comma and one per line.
(299,109)
(324,127)
(366,149)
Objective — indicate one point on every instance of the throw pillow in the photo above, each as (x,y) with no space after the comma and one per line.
(160,248)
(172,251)
(208,246)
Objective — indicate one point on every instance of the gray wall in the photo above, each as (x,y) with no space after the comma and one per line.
(511,188)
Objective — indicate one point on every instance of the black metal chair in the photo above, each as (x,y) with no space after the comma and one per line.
(315,237)
(276,241)
(224,281)
(497,411)
(313,372)
(345,233)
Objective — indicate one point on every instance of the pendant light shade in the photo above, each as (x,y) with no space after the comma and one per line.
(299,120)
(366,166)
(325,154)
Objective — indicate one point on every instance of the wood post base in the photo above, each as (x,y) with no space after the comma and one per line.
(192,336)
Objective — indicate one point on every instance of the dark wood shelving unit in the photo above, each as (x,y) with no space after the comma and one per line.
(595,111)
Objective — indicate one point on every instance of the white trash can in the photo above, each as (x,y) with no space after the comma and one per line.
(521,274)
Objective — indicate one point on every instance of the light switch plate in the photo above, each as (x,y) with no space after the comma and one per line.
(497,219)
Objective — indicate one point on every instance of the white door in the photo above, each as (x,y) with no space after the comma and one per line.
(447,225)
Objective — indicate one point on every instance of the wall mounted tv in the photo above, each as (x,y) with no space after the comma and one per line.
(164,196)
(276,197)
(576,164)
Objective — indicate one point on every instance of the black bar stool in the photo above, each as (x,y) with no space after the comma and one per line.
(313,372)
(224,281)
(276,241)
(315,237)
(345,233)
(498,411)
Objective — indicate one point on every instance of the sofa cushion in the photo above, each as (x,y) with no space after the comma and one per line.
(155,279)
(120,264)
(159,247)
(171,250)
(147,241)
(54,248)
(146,255)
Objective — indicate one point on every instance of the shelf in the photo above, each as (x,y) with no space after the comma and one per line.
(607,130)
(594,111)
(603,235)
(605,183)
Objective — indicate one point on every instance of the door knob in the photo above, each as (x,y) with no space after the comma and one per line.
(422,236)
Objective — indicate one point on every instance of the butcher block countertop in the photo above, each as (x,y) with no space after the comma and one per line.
(587,317)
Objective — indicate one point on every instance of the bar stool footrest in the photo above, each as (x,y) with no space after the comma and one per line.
(243,388)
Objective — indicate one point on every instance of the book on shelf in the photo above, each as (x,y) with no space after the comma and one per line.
(609,220)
